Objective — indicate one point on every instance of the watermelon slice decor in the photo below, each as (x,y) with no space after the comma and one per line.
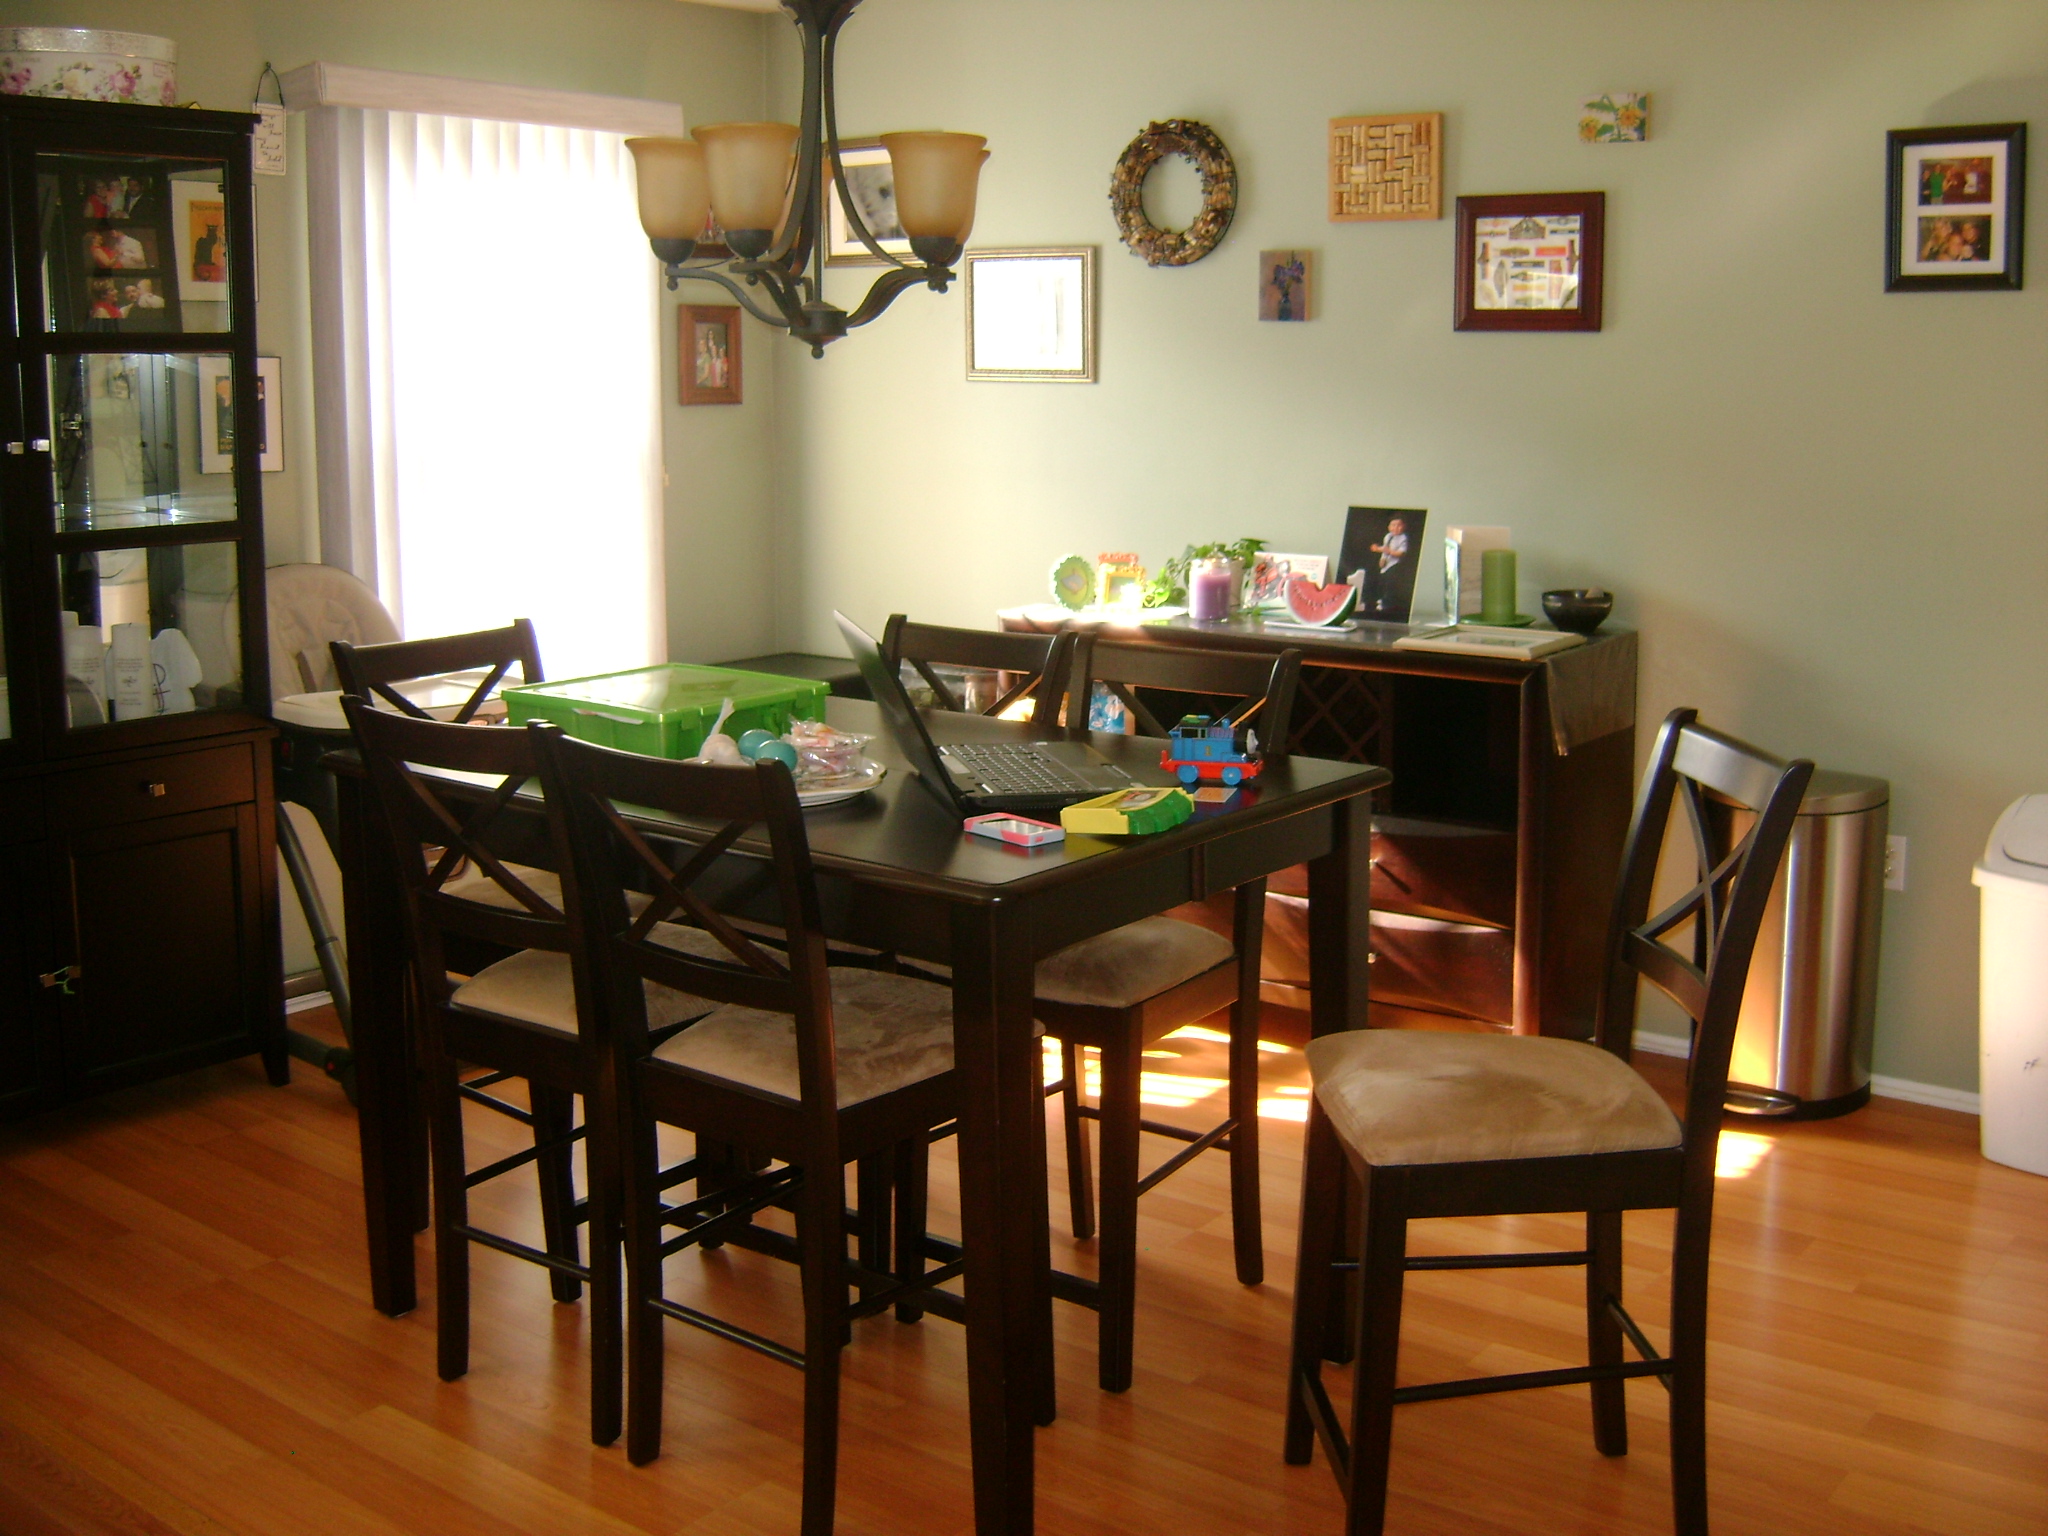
(1311,604)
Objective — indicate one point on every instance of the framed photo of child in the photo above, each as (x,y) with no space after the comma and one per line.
(1382,548)
(1955,200)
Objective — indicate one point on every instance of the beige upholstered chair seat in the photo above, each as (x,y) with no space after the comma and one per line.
(1407,1096)
(1126,965)
(891,1031)
(474,885)
(538,986)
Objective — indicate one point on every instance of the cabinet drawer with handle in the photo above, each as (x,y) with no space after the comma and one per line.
(153,786)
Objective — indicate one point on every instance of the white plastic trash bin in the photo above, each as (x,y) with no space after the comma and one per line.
(2012,988)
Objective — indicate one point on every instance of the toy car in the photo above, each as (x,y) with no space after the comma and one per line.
(1211,747)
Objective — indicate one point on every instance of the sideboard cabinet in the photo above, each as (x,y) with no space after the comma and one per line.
(1496,848)
(138,887)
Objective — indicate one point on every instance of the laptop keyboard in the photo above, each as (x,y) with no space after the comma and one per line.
(1015,770)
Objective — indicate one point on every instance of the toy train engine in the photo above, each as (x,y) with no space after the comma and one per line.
(1211,747)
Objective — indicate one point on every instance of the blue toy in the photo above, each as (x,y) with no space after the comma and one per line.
(1211,747)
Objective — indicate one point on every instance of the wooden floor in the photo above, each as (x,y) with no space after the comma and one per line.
(187,1345)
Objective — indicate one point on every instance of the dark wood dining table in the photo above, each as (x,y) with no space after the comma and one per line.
(895,871)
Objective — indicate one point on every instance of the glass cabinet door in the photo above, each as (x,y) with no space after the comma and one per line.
(149,631)
(141,440)
(132,243)
(6,701)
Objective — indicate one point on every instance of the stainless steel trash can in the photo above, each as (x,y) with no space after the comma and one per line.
(1802,1048)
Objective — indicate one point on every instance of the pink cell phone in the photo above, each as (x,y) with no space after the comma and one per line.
(1019,830)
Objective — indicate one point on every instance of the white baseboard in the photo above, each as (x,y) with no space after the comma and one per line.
(1884,1087)
(306,1002)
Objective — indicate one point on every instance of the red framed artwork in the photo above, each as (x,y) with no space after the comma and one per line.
(1531,261)
(708,353)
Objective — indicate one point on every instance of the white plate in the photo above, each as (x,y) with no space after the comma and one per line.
(875,774)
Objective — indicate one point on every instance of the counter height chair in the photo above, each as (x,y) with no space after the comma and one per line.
(808,1066)
(1039,662)
(1124,990)
(1418,1125)
(522,1016)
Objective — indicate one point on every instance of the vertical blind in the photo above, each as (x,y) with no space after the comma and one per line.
(486,362)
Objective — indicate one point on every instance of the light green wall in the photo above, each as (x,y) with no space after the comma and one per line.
(712,60)
(1822,504)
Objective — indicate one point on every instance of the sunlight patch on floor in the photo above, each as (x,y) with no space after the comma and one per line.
(1220,1037)
(1739,1154)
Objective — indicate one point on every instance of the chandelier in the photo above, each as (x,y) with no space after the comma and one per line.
(765,183)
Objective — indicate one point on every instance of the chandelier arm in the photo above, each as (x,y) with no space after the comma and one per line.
(884,292)
(783,317)
(840,185)
(789,250)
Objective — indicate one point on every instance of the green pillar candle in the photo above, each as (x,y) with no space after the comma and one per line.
(1497,586)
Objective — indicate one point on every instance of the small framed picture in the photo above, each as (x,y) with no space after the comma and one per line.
(1382,548)
(1265,584)
(871,180)
(217,414)
(1031,315)
(1287,285)
(1530,262)
(708,353)
(1955,201)
(121,248)
(199,234)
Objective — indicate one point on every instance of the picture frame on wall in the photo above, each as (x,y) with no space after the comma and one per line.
(199,229)
(872,180)
(708,353)
(1955,207)
(1531,261)
(217,414)
(1031,315)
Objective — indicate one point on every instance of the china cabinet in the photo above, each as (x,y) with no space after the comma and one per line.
(138,891)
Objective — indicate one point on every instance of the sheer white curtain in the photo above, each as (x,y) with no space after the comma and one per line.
(486,361)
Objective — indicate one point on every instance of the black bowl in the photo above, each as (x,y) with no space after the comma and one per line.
(1578,609)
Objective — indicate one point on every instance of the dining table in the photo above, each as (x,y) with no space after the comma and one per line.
(896,871)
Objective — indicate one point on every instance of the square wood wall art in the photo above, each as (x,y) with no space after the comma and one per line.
(1387,167)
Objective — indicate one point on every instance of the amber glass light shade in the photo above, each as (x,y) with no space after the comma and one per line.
(749,168)
(675,198)
(936,177)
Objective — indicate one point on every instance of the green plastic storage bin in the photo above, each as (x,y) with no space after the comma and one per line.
(666,711)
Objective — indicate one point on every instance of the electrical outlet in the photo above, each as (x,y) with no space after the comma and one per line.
(1895,863)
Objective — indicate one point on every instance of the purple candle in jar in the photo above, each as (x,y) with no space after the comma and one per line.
(1212,589)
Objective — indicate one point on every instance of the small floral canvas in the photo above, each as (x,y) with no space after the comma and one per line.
(1619,117)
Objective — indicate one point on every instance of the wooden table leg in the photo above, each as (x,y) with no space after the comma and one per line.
(1003,1211)
(386,1107)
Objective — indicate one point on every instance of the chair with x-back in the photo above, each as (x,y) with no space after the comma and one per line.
(1122,991)
(1406,1125)
(808,1067)
(483,659)
(444,792)
(1036,665)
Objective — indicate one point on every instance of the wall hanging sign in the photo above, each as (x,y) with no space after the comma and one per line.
(708,353)
(1286,284)
(871,178)
(1197,144)
(1955,201)
(1530,262)
(1616,117)
(1031,315)
(1387,167)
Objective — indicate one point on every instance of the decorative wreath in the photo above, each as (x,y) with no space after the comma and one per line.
(1198,144)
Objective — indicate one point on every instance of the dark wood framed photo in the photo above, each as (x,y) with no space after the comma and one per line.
(1531,261)
(1955,207)
(708,353)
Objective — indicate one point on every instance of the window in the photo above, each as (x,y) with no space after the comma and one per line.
(486,360)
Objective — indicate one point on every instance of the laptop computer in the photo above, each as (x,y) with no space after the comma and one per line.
(974,778)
